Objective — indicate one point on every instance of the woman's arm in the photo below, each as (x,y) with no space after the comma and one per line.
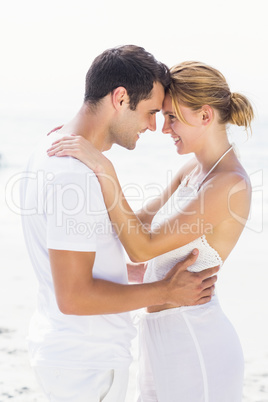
(201,216)
(147,213)
(136,272)
(149,210)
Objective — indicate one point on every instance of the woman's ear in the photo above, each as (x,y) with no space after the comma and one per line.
(119,97)
(206,115)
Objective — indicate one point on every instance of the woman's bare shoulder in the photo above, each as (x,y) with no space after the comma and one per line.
(231,188)
(232,177)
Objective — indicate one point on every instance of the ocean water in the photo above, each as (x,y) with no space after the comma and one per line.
(143,173)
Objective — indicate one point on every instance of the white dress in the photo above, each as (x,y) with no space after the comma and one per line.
(190,353)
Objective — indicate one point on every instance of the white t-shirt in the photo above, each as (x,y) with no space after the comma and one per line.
(62,208)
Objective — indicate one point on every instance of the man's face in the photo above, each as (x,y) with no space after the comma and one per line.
(130,124)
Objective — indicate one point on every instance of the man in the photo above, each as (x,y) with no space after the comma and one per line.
(80,335)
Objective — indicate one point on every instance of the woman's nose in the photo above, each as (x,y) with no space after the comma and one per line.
(166,129)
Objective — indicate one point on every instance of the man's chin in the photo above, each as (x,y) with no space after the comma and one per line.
(130,147)
(133,147)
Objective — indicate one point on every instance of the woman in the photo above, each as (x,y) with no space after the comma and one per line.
(189,353)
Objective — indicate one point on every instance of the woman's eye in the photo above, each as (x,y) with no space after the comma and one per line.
(172,117)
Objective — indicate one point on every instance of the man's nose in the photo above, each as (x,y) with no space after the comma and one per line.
(152,123)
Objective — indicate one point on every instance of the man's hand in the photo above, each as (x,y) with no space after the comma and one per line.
(190,288)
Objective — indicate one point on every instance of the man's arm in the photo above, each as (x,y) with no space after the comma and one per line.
(78,293)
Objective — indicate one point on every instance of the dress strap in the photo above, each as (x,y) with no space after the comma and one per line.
(213,167)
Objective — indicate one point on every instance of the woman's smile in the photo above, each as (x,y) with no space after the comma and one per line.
(176,139)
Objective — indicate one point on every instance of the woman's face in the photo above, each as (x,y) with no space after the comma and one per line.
(186,136)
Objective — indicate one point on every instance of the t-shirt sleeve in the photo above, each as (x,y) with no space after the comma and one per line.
(73,202)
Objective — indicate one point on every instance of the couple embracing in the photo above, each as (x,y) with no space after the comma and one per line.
(81,331)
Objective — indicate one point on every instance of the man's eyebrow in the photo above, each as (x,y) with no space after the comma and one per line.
(155,110)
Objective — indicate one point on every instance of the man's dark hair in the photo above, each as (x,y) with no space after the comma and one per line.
(129,66)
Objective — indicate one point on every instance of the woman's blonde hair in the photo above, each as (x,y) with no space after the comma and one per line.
(195,84)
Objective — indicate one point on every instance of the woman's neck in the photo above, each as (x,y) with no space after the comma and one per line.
(211,150)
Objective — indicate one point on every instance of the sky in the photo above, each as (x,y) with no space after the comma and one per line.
(48,46)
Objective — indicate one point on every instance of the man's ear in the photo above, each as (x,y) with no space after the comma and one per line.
(119,97)
(206,115)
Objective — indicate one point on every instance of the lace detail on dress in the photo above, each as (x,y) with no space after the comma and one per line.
(217,256)
(159,266)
